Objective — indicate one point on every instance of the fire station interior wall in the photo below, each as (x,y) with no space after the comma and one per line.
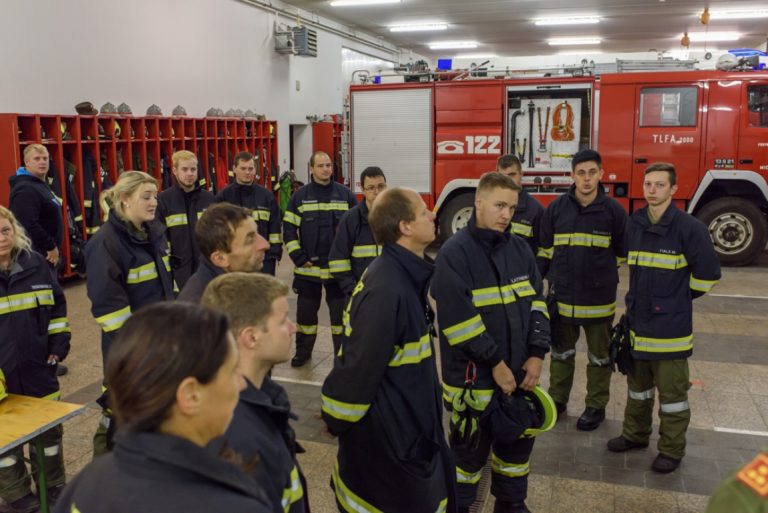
(196,53)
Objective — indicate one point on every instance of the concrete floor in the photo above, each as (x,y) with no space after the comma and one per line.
(571,470)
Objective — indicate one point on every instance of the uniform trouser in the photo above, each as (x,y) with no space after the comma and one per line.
(510,461)
(670,377)
(102,438)
(563,363)
(308,303)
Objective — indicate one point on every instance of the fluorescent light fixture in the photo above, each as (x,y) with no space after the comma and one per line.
(710,37)
(558,41)
(567,20)
(360,3)
(580,52)
(476,56)
(737,15)
(418,27)
(453,45)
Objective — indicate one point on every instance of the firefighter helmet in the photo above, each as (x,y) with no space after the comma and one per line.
(124,109)
(179,111)
(545,406)
(86,109)
(108,108)
(154,110)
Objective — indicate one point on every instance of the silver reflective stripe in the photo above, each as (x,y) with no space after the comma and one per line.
(598,361)
(8,461)
(564,355)
(104,421)
(51,451)
(675,407)
(641,396)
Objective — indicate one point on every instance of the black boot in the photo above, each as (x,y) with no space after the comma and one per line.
(510,507)
(590,419)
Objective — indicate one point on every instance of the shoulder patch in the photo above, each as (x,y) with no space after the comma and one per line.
(755,475)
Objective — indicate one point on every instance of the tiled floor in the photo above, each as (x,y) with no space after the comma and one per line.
(572,472)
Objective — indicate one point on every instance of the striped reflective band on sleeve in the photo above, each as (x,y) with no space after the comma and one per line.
(586,312)
(482,396)
(340,266)
(336,329)
(541,307)
(349,412)
(292,218)
(350,501)
(661,345)
(678,407)
(142,273)
(443,506)
(702,285)
(620,261)
(260,215)
(545,253)
(522,288)
(313,272)
(645,395)
(464,477)
(500,466)
(176,220)
(294,492)
(657,260)
(465,330)
(114,320)
(307,329)
(324,207)
(582,239)
(276,238)
(58,325)
(412,352)
(366,251)
(292,245)
(502,295)
(521,229)
(167,263)
(25,301)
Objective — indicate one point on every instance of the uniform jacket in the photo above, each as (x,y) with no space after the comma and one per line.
(382,396)
(179,211)
(37,209)
(527,219)
(670,263)
(92,172)
(354,248)
(309,226)
(489,305)
(125,272)
(260,429)
(155,473)
(195,287)
(33,324)
(580,249)
(264,209)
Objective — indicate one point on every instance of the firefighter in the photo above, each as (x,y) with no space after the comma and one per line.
(247,193)
(257,308)
(581,247)
(178,209)
(493,322)
(35,338)
(528,211)
(174,382)
(128,267)
(382,398)
(354,248)
(310,222)
(671,262)
(746,491)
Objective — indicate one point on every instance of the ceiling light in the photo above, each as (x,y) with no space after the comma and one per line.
(736,15)
(586,51)
(476,56)
(713,36)
(567,20)
(557,41)
(418,27)
(450,45)
(355,3)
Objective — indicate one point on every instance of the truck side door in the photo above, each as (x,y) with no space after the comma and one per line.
(753,128)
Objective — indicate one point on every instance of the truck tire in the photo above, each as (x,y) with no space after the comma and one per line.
(738,229)
(455,215)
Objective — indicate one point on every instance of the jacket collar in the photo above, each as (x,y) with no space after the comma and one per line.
(663,225)
(419,270)
(153,232)
(488,238)
(523,199)
(270,396)
(598,201)
(207,271)
(363,211)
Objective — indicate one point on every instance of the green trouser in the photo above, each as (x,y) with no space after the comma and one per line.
(14,478)
(670,377)
(563,363)
(100,443)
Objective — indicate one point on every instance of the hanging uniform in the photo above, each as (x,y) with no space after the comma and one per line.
(38,211)
(580,249)
(354,248)
(671,263)
(33,323)
(527,219)
(265,212)
(309,227)
(260,429)
(179,211)
(490,309)
(382,396)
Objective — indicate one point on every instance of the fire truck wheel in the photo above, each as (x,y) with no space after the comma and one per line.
(738,229)
(456,214)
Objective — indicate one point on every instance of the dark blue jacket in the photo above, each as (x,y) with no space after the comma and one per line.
(195,287)
(527,220)
(264,209)
(354,248)
(38,210)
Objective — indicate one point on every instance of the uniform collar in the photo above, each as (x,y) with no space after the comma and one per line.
(488,238)
(419,270)
(663,225)
(598,201)
(523,198)
(150,234)
(270,396)
(364,211)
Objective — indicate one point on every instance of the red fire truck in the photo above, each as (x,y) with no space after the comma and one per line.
(438,137)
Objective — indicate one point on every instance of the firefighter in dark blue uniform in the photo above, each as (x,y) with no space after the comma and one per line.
(580,248)
(257,308)
(247,193)
(493,319)
(354,248)
(671,262)
(35,338)
(309,227)
(528,212)
(178,208)
(382,397)
(128,266)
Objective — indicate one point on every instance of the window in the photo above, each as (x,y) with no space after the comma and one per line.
(757,100)
(668,106)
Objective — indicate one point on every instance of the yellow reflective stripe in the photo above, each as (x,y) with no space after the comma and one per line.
(141,274)
(482,396)
(540,306)
(500,466)
(545,253)
(25,301)
(88,203)
(523,288)
(702,285)
(176,220)
(275,238)
(464,331)
(661,345)
(200,214)
(167,263)
(323,207)
(78,218)
(582,239)
(340,266)
(260,215)
(521,229)
(336,329)
(52,397)
(620,261)
(586,312)
(443,506)
(294,492)
(412,352)
(114,320)
(292,245)
(292,218)
(462,476)
(349,412)
(314,272)
(366,251)
(657,260)
(58,325)
(350,501)
(90,230)
(307,329)
(486,296)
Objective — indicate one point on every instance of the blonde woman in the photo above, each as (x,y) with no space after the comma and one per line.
(128,266)
(35,338)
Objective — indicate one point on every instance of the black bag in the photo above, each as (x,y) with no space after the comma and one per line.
(620,350)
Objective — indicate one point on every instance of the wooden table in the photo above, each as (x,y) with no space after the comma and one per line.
(23,418)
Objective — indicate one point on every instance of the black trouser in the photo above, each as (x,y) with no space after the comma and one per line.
(309,295)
